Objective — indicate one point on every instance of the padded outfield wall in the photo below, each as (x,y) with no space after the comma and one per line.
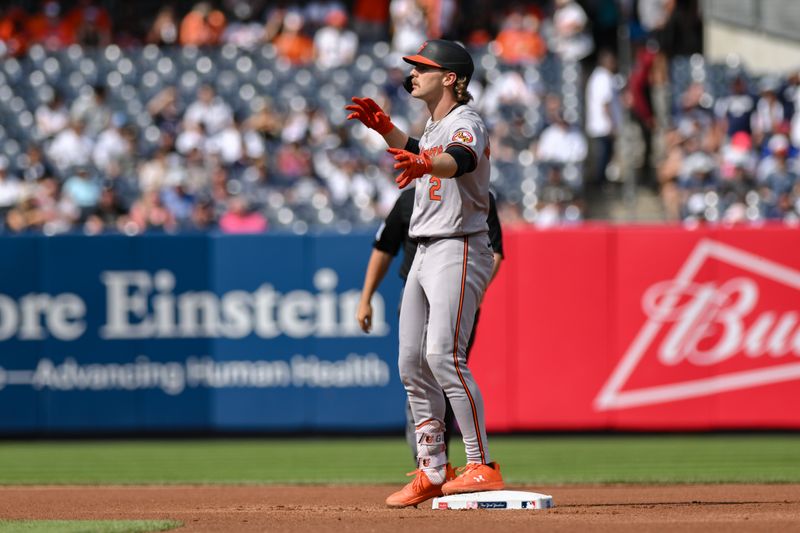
(588,328)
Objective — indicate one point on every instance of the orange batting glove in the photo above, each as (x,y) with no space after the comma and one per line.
(414,165)
(370,114)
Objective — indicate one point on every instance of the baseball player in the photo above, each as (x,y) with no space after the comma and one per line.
(392,235)
(450,271)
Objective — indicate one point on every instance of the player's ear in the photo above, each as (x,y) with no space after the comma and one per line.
(450,79)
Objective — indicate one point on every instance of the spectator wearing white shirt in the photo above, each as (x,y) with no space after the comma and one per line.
(71,147)
(334,44)
(409,25)
(52,117)
(561,143)
(209,110)
(91,109)
(111,145)
(571,42)
(603,115)
(10,188)
(227,143)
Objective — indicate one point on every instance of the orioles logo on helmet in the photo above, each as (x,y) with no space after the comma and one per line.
(463,136)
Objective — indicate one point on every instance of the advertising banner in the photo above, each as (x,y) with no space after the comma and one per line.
(170,333)
(587,328)
(641,328)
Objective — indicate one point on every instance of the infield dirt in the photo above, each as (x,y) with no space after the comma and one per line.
(360,508)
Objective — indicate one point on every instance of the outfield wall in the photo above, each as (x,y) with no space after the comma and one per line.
(589,328)
(195,333)
(643,328)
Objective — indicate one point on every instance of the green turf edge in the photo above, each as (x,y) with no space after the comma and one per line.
(525,460)
(87,526)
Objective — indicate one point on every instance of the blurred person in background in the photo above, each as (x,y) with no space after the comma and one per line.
(653,16)
(334,44)
(558,203)
(203,217)
(680,144)
(227,143)
(149,214)
(603,115)
(46,27)
(112,146)
(561,143)
(13,35)
(209,110)
(90,24)
(179,202)
(10,188)
(371,19)
(51,117)
(641,83)
(202,26)
(769,115)
(83,187)
(164,30)
(734,110)
(292,43)
(163,108)
(108,215)
(696,179)
(571,39)
(55,212)
(778,148)
(92,110)
(34,165)
(239,218)
(152,172)
(519,42)
(24,216)
(408,25)
(70,148)
(439,17)
(779,183)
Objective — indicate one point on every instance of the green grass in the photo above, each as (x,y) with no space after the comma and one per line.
(524,460)
(86,526)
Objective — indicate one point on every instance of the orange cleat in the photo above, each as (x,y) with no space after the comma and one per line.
(475,477)
(419,490)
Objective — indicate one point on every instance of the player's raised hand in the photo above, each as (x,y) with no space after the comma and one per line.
(370,114)
(413,165)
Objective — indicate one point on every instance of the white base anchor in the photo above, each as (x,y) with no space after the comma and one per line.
(495,499)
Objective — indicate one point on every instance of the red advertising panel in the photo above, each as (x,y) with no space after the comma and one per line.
(643,328)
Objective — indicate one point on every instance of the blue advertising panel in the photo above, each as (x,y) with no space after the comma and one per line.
(200,332)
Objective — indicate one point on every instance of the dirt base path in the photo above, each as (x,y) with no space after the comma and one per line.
(360,508)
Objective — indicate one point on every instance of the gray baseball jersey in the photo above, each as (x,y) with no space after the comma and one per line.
(458,206)
(445,285)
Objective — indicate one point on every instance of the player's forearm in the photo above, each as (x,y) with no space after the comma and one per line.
(396,138)
(443,166)
(377,267)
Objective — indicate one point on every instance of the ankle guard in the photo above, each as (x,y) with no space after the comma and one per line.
(430,451)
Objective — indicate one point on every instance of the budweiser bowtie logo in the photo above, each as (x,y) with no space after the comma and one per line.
(720,330)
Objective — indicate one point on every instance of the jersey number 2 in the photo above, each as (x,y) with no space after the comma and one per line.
(436,184)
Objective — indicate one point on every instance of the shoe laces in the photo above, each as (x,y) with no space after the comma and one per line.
(469,467)
(416,483)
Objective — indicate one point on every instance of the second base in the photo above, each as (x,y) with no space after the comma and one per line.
(495,499)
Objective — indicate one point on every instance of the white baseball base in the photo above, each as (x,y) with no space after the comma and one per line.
(495,499)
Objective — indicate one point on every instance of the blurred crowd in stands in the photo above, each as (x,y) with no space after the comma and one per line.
(229,115)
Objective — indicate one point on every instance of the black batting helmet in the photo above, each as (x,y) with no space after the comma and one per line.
(448,55)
